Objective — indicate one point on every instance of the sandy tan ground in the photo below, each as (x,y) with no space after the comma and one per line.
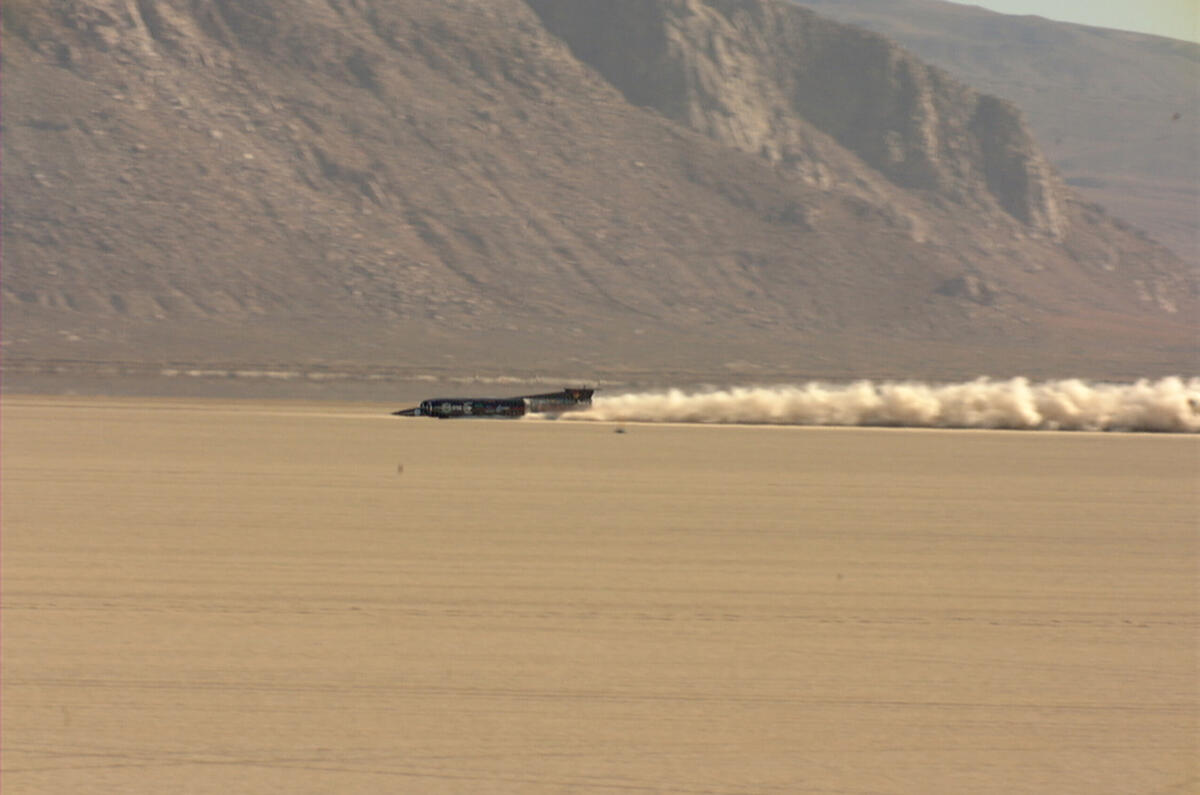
(251,597)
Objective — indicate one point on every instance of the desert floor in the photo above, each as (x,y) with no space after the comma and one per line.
(227,597)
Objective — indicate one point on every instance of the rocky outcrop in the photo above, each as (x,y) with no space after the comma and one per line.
(1015,172)
(1116,112)
(760,75)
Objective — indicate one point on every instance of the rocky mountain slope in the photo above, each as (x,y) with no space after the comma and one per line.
(713,70)
(1117,112)
(699,187)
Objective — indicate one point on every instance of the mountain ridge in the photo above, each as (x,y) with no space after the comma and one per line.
(390,184)
(883,110)
(1117,112)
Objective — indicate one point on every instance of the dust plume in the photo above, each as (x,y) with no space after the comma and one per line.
(1167,405)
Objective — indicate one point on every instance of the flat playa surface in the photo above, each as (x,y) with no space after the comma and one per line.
(217,597)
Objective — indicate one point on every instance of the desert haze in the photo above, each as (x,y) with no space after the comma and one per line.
(209,597)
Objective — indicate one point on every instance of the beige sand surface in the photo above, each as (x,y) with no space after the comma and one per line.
(252,597)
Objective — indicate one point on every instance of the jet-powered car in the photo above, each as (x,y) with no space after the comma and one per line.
(548,403)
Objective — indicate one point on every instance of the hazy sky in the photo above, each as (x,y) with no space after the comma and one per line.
(1179,19)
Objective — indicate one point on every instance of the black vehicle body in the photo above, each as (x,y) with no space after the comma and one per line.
(547,403)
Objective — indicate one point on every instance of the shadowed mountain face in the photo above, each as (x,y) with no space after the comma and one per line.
(677,186)
(1118,113)
(708,65)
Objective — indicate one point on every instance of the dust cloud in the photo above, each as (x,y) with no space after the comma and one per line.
(1166,405)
